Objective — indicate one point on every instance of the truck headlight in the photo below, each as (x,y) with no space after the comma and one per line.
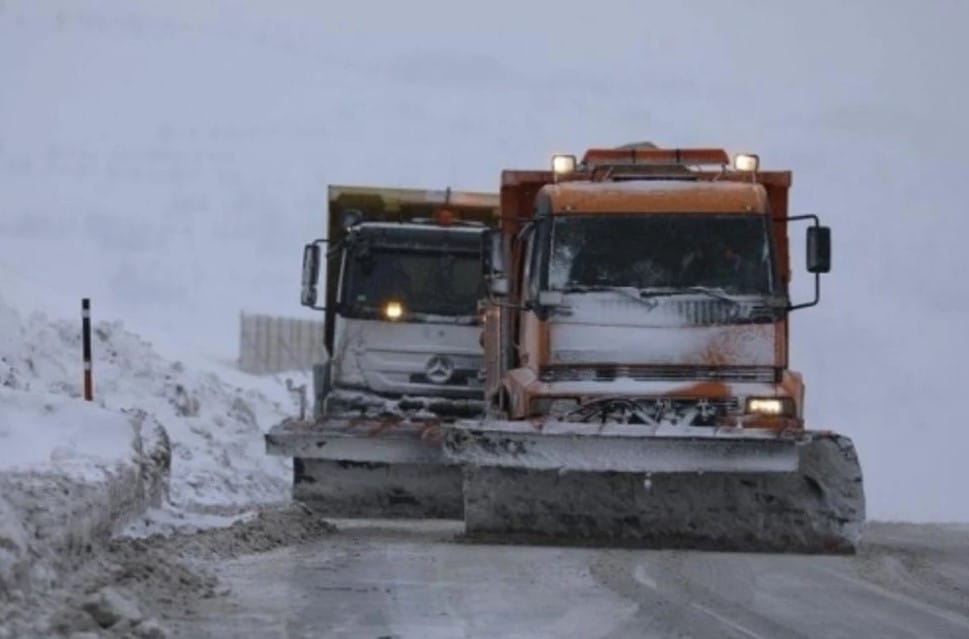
(770,406)
(393,310)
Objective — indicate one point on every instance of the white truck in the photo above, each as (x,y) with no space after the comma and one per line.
(402,335)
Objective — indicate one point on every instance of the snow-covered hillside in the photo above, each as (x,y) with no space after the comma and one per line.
(169,161)
(215,418)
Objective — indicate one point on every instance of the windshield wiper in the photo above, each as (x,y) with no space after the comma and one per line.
(717,293)
(648,293)
(592,288)
(626,291)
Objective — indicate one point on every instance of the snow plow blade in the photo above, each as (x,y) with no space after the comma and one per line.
(696,488)
(369,468)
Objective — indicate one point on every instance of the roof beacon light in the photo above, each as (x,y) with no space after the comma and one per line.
(563,164)
(746,162)
(445,217)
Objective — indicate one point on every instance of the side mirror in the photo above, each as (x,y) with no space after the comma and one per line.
(818,252)
(818,249)
(311,274)
(493,263)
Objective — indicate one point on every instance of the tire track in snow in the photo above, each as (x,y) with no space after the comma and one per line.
(674,603)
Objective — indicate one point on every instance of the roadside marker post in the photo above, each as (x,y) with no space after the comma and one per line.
(86,347)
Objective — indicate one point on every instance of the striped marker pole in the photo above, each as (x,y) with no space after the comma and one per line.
(86,346)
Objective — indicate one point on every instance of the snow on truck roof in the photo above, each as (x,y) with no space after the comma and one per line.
(456,227)
(415,236)
(398,196)
(666,196)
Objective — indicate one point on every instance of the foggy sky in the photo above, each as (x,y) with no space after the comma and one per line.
(171,160)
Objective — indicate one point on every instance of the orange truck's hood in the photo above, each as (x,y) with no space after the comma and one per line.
(617,328)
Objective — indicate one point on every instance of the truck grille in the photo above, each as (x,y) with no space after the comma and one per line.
(765,374)
(656,410)
(708,312)
(459,378)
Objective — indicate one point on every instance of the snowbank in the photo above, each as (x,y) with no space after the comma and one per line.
(215,426)
(70,471)
(73,473)
(47,432)
(67,492)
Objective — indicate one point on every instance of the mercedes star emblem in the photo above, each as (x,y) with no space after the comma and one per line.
(439,369)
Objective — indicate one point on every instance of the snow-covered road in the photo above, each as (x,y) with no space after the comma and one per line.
(402,580)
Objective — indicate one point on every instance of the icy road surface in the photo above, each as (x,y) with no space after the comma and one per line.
(406,579)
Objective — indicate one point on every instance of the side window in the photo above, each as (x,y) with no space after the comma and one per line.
(536,239)
(531,278)
(342,286)
(529,256)
(538,248)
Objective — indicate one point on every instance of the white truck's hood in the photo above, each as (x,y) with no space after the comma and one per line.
(402,358)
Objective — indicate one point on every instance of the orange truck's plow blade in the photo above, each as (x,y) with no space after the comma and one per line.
(732,491)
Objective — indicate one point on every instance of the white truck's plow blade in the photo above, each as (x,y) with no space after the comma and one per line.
(703,488)
(353,469)
(346,440)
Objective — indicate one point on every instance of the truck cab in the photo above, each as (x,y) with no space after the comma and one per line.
(406,325)
(402,336)
(402,283)
(646,292)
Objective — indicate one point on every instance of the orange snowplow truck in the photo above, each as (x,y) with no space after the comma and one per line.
(636,354)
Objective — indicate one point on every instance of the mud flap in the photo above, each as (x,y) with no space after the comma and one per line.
(816,506)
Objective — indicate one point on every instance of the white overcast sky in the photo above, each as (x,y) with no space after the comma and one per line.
(169,159)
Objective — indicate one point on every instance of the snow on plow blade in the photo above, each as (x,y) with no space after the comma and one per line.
(368,468)
(698,488)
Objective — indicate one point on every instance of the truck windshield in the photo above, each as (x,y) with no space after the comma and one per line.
(424,282)
(678,251)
